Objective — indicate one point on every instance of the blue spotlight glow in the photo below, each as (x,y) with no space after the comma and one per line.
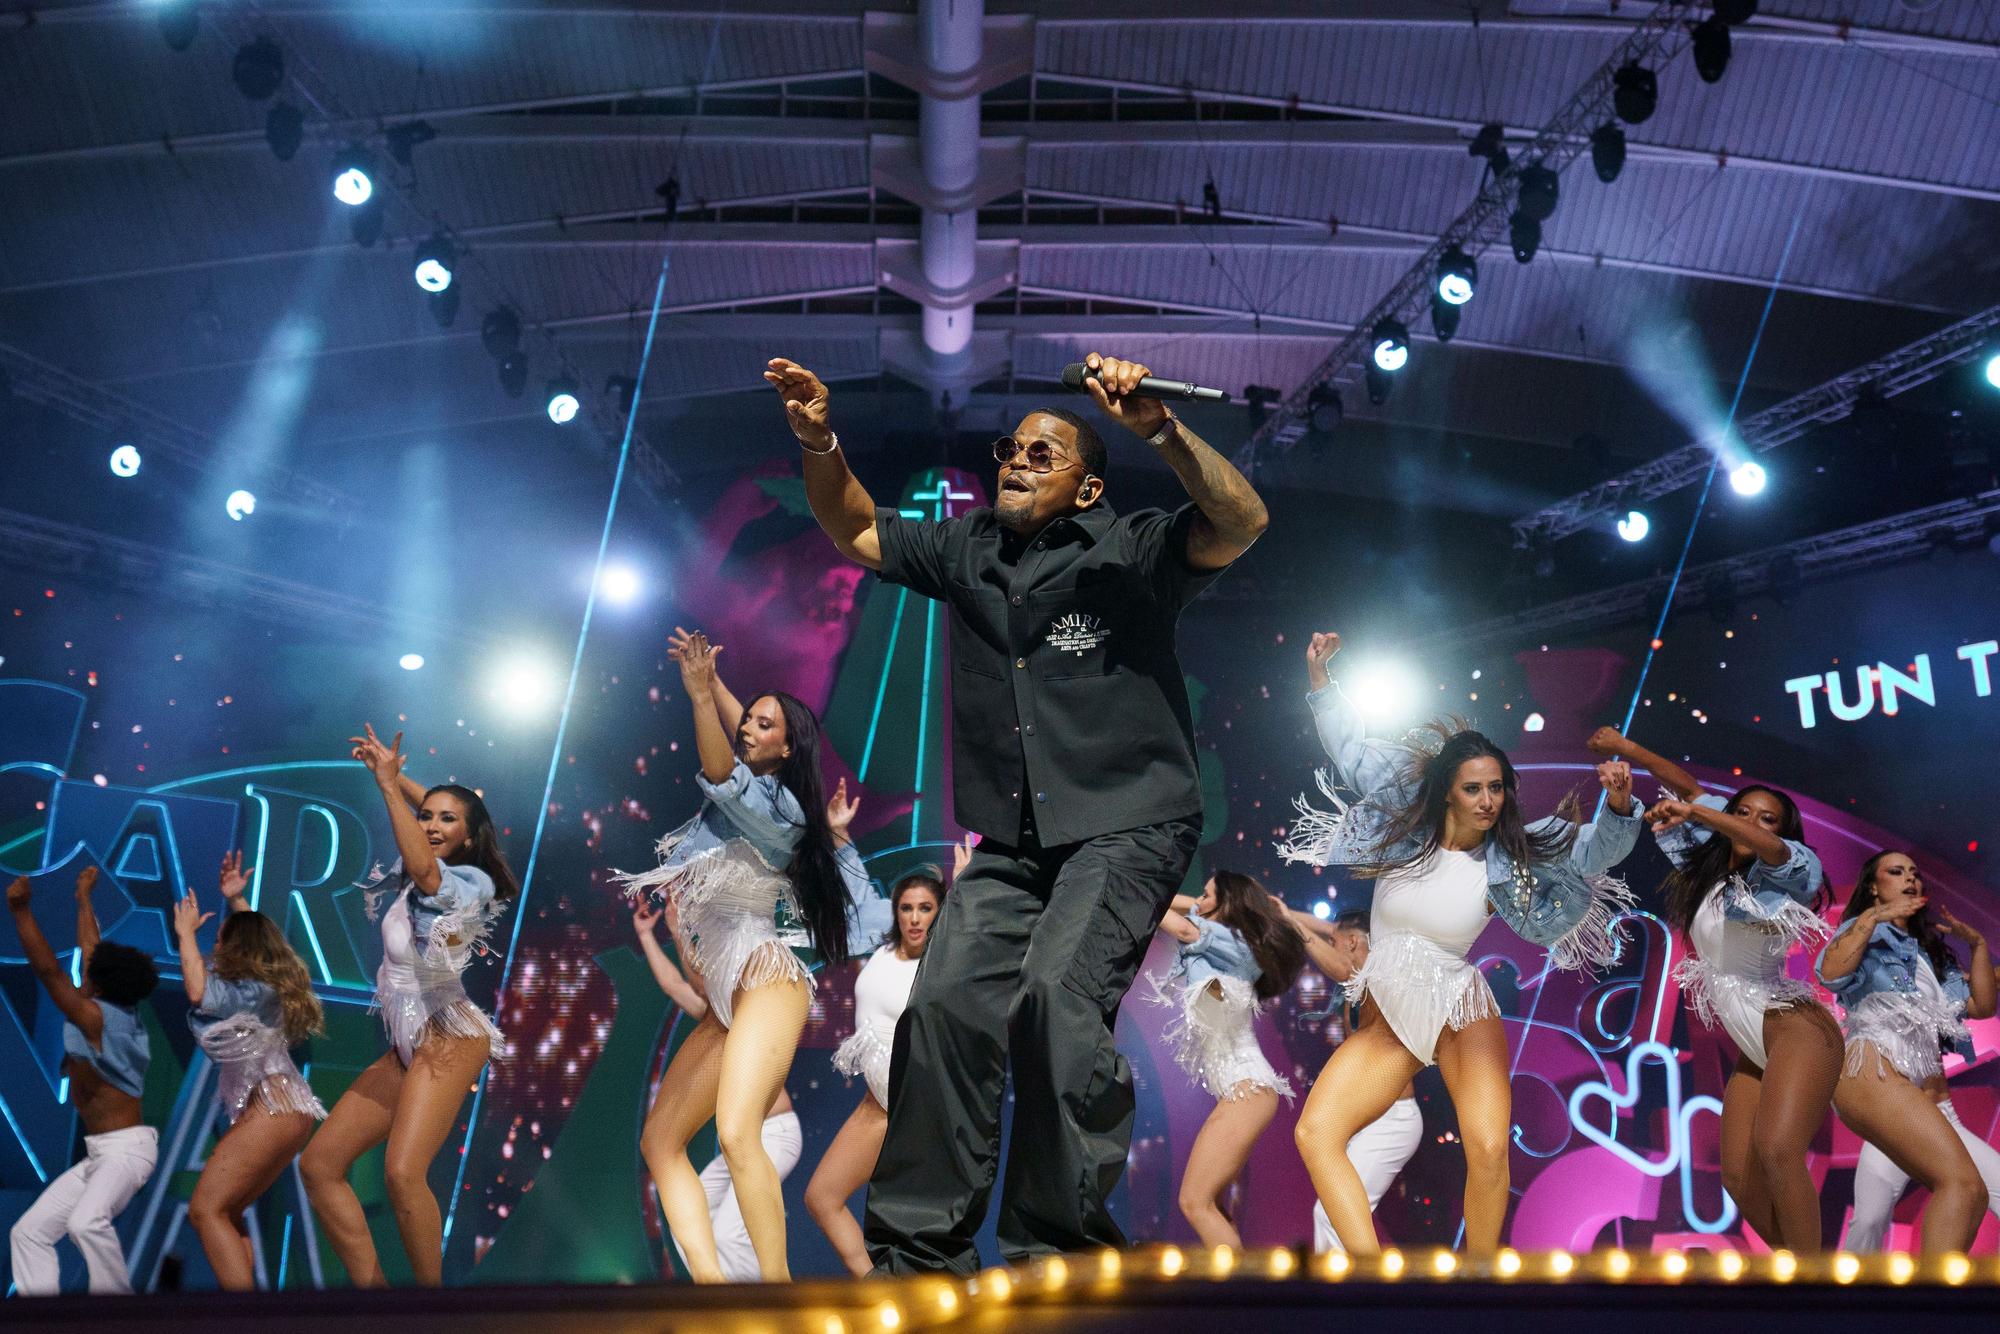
(1392,345)
(562,400)
(411,662)
(435,260)
(353,184)
(620,585)
(1322,910)
(241,505)
(1747,478)
(525,685)
(125,461)
(1634,526)
(1993,370)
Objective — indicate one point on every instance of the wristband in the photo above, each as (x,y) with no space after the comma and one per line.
(822,452)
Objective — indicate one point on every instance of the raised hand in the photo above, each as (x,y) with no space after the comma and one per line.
(1953,926)
(645,916)
(840,813)
(383,761)
(961,855)
(234,879)
(19,892)
(1606,741)
(1616,778)
(696,656)
(1111,387)
(1668,813)
(805,402)
(188,916)
(86,880)
(1900,909)
(1319,651)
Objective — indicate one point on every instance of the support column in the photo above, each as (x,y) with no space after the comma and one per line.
(950,36)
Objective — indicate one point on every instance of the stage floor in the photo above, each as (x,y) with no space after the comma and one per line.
(1137,1292)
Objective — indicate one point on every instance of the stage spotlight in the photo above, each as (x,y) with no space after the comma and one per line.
(1457,276)
(514,374)
(1607,151)
(1635,92)
(1539,189)
(404,139)
(1711,49)
(1383,690)
(619,585)
(619,391)
(240,505)
(524,685)
(500,332)
(125,461)
(259,69)
(1444,317)
(353,176)
(284,130)
(1993,368)
(1322,910)
(1534,722)
(178,22)
(562,400)
(1634,526)
(1391,345)
(411,662)
(444,305)
(1380,382)
(1747,478)
(1735,11)
(1524,234)
(1324,409)
(435,259)
(365,223)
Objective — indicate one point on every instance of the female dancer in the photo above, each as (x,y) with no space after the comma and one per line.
(1237,950)
(1437,822)
(760,840)
(105,1054)
(1905,995)
(1742,893)
(1381,1149)
(880,993)
(252,1001)
(449,885)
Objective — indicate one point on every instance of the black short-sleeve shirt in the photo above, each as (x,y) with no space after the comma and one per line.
(1067,702)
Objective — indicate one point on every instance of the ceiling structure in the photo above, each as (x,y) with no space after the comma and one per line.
(154,246)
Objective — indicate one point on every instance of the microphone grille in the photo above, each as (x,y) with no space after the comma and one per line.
(1072,375)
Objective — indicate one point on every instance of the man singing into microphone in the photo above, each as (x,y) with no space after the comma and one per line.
(1074,759)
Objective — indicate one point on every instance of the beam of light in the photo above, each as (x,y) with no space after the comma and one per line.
(1747,478)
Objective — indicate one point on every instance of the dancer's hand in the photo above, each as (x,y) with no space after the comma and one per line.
(645,916)
(1899,909)
(86,880)
(1952,926)
(805,402)
(1669,813)
(234,879)
(961,856)
(385,762)
(1606,741)
(1616,777)
(19,892)
(697,659)
(840,813)
(1112,388)
(188,916)
(1319,652)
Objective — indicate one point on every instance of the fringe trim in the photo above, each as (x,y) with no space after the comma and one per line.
(287,1092)
(1399,963)
(1903,1031)
(251,1059)
(1704,985)
(1214,1039)
(1789,918)
(455,938)
(1591,944)
(865,1056)
(769,962)
(1316,834)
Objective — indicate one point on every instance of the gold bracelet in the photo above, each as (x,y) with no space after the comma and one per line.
(822,452)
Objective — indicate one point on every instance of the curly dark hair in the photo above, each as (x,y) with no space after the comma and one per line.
(121,974)
(1245,907)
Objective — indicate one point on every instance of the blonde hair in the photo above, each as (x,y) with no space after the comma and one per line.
(250,947)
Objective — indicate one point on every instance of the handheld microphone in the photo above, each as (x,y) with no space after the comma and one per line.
(1074,374)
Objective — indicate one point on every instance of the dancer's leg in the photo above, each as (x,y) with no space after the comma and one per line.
(844,1169)
(734,1250)
(1984,1156)
(442,1073)
(1073,1104)
(120,1163)
(1473,1061)
(245,1161)
(37,1269)
(1741,1176)
(1805,1048)
(1878,1185)
(1379,1152)
(1890,1112)
(935,1172)
(756,1056)
(1220,1149)
(358,1122)
(684,1104)
(1359,1083)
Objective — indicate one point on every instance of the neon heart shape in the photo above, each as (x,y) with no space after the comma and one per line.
(1640,1053)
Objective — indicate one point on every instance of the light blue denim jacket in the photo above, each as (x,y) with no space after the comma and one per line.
(463,890)
(1216,951)
(763,812)
(123,1051)
(1566,906)
(223,999)
(1771,894)
(1891,962)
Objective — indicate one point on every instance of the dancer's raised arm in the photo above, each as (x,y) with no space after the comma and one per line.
(76,1007)
(839,502)
(1615,745)
(715,747)
(385,763)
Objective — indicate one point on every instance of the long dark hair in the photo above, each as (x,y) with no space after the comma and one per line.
(1423,817)
(1919,923)
(1245,907)
(925,875)
(1689,886)
(482,848)
(814,870)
